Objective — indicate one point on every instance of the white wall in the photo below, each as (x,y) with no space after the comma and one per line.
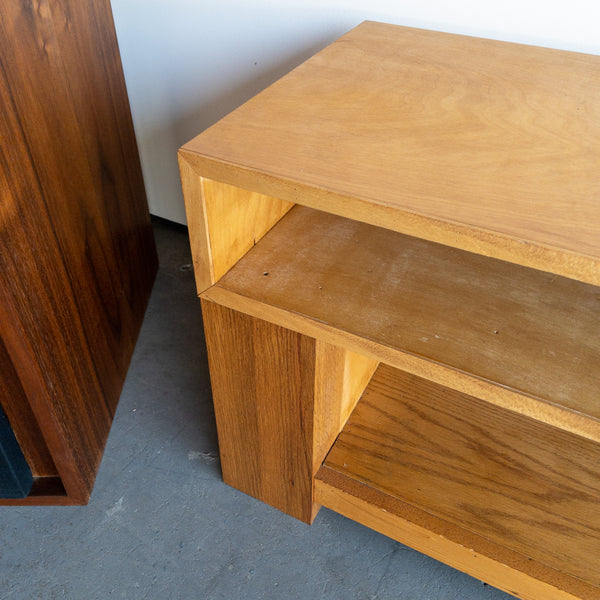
(189,62)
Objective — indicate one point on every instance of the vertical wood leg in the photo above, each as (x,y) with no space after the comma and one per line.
(262,379)
(280,400)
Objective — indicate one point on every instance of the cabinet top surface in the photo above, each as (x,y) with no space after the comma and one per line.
(500,138)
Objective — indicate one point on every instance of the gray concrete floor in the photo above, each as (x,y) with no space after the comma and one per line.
(162,525)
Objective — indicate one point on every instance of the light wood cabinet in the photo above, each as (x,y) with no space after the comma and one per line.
(397,248)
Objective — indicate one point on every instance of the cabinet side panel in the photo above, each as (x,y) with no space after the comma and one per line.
(262,379)
(75,235)
(237,219)
(225,222)
(358,370)
(340,378)
(195,211)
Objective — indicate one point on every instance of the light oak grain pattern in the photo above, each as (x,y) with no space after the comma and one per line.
(224,222)
(237,219)
(195,211)
(340,379)
(280,401)
(460,548)
(358,371)
(520,338)
(262,379)
(513,480)
(483,145)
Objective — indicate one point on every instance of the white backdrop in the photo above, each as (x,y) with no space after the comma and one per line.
(189,62)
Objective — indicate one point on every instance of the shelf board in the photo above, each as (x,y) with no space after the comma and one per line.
(520,338)
(520,492)
(484,145)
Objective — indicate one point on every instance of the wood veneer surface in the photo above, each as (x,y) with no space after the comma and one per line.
(515,481)
(483,145)
(518,328)
(263,384)
(78,258)
(506,569)
(281,399)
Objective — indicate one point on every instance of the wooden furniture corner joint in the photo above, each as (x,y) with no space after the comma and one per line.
(399,264)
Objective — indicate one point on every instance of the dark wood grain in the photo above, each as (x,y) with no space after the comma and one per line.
(78,258)
(517,482)
(16,405)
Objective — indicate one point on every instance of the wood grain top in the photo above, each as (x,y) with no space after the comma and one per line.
(487,146)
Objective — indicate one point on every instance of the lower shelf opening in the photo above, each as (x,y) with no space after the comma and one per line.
(470,483)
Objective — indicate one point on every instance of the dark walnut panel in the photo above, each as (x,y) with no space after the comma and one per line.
(78,257)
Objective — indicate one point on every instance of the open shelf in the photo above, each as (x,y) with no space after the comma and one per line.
(520,338)
(423,204)
(491,481)
(459,140)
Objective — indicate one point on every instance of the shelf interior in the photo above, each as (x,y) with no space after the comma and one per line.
(502,332)
(514,481)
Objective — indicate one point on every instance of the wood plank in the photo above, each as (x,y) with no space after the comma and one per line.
(340,379)
(520,338)
(195,210)
(78,256)
(358,371)
(280,400)
(505,569)
(483,145)
(510,479)
(237,219)
(224,223)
